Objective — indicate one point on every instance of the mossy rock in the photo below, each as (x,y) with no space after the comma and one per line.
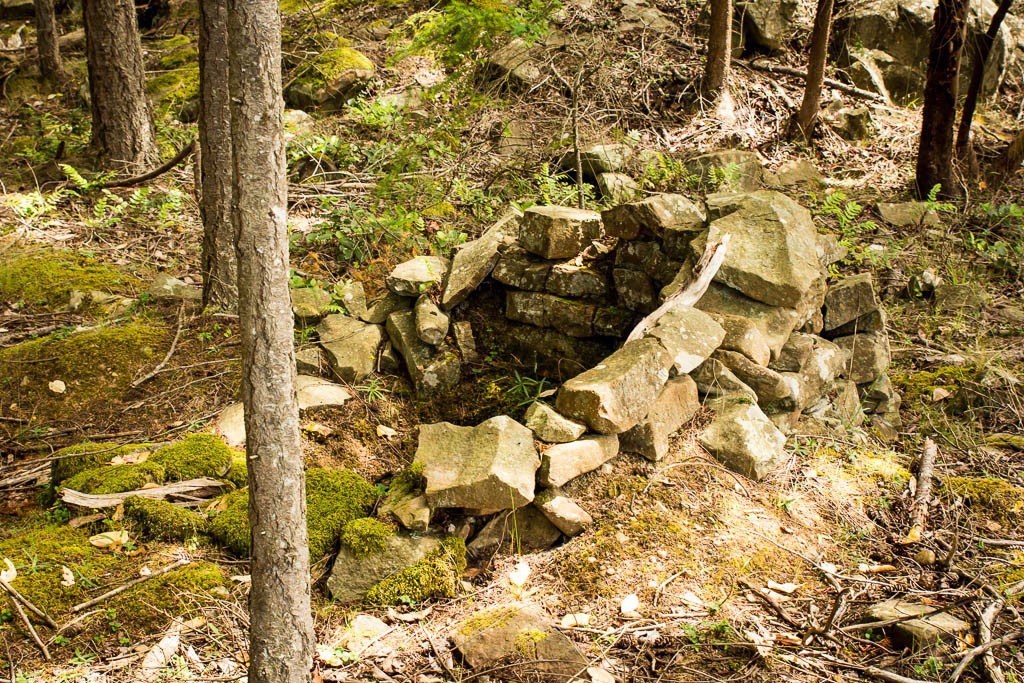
(330,79)
(97,367)
(992,497)
(159,519)
(238,473)
(175,90)
(922,385)
(116,478)
(84,456)
(366,535)
(333,499)
(196,456)
(176,52)
(46,278)
(436,576)
(40,552)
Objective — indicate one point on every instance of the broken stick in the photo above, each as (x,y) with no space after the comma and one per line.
(18,597)
(125,586)
(29,626)
(186,490)
(924,492)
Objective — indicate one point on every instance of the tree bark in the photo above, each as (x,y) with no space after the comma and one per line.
(716,69)
(281,625)
(808,116)
(219,265)
(47,47)
(935,152)
(122,127)
(982,48)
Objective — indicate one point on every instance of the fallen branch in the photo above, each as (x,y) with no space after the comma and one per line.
(30,627)
(982,649)
(182,154)
(988,661)
(181,490)
(15,595)
(771,602)
(703,273)
(170,352)
(831,82)
(125,586)
(924,492)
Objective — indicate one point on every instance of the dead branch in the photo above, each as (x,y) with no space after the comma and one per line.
(182,154)
(125,586)
(30,627)
(181,490)
(988,617)
(15,595)
(982,649)
(790,71)
(924,492)
(170,352)
(704,272)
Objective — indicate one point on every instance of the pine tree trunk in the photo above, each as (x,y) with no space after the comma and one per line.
(50,68)
(122,128)
(981,50)
(808,116)
(935,153)
(716,69)
(281,625)
(220,272)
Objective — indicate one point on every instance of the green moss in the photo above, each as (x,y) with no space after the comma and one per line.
(97,367)
(163,520)
(87,455)
(1012,441)
(175,87)
(238,473)
(330,68)
(47,278)
(435,576)
(408,482)
(198,455)
(493,618)
(366,536)
(995,498)
(177,51)
(116,478)
(40,552)
(921,385)
(333,499)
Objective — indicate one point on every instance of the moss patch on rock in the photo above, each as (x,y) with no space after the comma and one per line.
(333,499)
(238,473)
(330,78)
(116,478)
(198,455)
(176,87)
(96,366)
(162,520)
(366,535)
(47,278)
(40,552)
(85,456)
(922,385)
(992,497)
(435,576)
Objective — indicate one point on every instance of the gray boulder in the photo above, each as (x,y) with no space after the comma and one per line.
(475,260)
(377,311)
(352,575)
(907,214)
(689,335)
(867,355)
(560,463)
(617,187)
(618,392)
(766,23)
(744,336)
(518,269)
(557,232)
(433,370)
(730,168)
(563,511)
(431,323)
(743,439)
(516,63)
(795,353)
(488,467)
(770,387)
(577,281)
(353,298)
(636,291)
(310,304)
(522,530)
(650,258)
(571,317)
(417,275)
(851,298)
(167,288)
(676,406)
(775,322)
(924,631)
(350,345)
(600,158)
(658,216)
(715,380)
(548,425)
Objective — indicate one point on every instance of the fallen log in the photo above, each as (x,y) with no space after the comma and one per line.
(178,491)
(924,493)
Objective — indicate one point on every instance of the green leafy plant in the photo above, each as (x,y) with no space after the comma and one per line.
(525,390)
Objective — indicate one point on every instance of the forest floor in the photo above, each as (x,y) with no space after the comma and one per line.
(738,580)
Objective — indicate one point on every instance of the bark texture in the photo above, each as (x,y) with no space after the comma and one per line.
(808,116)
(47,46)
(935,153)
(281,624)
(716,69)
(122,127)
(220,271)
(982,48)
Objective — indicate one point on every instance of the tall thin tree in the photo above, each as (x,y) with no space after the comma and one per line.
(47,46)
(219,265)
(935,150)
(280,620)
(981,49)
(811,104)
(122,126)
(719,57)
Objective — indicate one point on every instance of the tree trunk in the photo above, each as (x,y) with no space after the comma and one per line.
(280,620)
(981,50)
(808,116)
(220,272)
(47,48)
(716,69)
(935,153)
(122,128)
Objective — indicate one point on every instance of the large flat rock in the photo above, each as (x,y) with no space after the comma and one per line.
(350,345)
(354,575)
(417,275)
(743,439)
(775,322)
(562,462)
(557,232)
(488,467)
(689,335)
(475,260)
